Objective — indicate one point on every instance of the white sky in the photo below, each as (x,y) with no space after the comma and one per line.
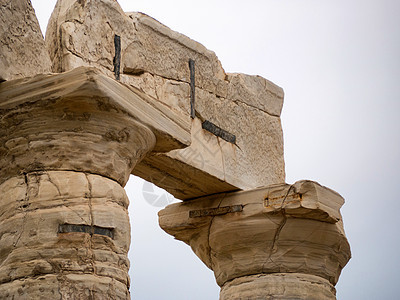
(339,64)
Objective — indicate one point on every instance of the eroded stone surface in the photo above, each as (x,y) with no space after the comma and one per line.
(71,264)
(305,199)
(154,59)
(83,121)
(151,52)
(276,229)
(278,286)
(22,49)
(81,33)
(61,287)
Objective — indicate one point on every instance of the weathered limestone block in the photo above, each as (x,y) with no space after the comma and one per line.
(68,286)
(154,60)
(305,199)
(34,208)
(161,51)
(255,91)
(22,48)
(280,229)
(278,286)
(81,33)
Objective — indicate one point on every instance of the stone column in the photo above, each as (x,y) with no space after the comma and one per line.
(279,242)
(66,150)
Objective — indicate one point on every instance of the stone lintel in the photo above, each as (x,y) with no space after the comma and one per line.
(244,147)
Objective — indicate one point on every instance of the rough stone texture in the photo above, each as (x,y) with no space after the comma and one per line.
(305,199)
(82,121)
(81,33)
(38,262)
(65,287)
(278,229)
(22,48)
(154,60)
(151,52)
(278,286)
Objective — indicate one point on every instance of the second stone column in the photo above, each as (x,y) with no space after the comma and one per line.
(278,242)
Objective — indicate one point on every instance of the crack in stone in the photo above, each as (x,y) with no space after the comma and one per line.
(216,94)
(222,157)
(209,250)
(278,231)
(252,106)
(26,200)
(89,197)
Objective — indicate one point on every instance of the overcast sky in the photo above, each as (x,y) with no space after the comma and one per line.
(339,64)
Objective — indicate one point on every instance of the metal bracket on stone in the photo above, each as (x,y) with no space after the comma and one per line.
(117,57)
(218,131)
(66,228)
(215,211)
(192,89)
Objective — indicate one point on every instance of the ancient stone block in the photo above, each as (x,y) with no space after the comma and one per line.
(305,199)
(34,206)
(210,157)
(155,60)
(239,104)
(242,236)
(278,286)
(151,52)
(22,49)
(81,33)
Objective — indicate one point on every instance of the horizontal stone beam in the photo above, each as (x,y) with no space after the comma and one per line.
(236,132)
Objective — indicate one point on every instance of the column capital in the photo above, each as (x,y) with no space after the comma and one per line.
(80,121)
(283,229)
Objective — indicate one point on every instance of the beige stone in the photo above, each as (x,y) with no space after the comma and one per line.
(151,52)
(66,122)
(278,286)
(81,33)
(305,199)
(62,287)
(22,48)
(255,91)
(277,229)
(154,60)
(33,207)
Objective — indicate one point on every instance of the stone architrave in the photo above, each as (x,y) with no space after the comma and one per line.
(22,49)
(155,60)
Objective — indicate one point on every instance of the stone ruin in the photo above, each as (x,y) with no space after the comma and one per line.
(108,94)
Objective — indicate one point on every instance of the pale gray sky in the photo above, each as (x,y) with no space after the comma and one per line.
(339,64)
